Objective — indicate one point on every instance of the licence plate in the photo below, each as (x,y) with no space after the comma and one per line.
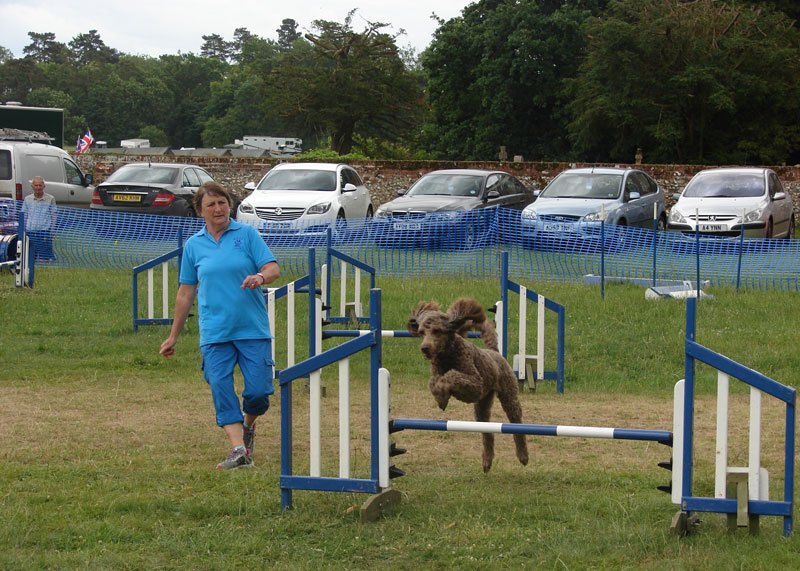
(276,226)
(126,197)
(407,226)
(712,227)
(558,227)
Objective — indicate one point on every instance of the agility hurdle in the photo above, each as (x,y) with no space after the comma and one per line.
(162,261)
(351,311)
(378,479)
(522,361)
(751,496)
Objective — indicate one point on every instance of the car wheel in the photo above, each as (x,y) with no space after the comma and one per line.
(369,211)
(769,229)
(661,225)
(790,232)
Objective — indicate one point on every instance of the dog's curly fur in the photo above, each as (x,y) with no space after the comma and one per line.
(465,371)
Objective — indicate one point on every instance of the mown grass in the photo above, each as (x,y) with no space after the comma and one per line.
(107,449)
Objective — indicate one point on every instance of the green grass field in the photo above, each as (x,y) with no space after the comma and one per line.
(108,450)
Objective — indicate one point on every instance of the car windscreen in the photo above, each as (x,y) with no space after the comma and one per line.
(725,185)
(305,179)
(145,174)
(584,185)
(447,185)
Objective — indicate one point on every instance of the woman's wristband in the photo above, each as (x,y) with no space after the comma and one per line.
(263,279)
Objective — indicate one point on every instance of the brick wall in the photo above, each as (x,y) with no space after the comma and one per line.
(384,178)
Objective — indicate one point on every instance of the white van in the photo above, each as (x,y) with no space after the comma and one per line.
(20,161)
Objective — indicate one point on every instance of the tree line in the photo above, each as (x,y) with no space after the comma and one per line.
(684,81)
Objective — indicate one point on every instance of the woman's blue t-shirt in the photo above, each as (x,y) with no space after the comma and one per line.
(218,268)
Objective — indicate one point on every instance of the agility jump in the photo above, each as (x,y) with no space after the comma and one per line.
(749,501)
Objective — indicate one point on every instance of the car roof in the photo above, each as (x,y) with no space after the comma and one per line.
(734,170)
(160,165)
(315,166)
(598,170)
(479,172)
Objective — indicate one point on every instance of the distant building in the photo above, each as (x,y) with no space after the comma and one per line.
(135,143)
(275,145)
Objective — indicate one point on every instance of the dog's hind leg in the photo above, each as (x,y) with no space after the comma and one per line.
(509,400)
(483,411)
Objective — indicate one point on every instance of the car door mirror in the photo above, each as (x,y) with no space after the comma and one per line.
(251,186)
(492,194)
(88,180)
(779,196)
(349,187)
(634,195)
(401,191)
(676,195)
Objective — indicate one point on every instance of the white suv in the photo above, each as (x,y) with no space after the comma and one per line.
(305,199)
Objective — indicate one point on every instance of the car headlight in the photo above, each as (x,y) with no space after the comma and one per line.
(381,212)
(246,208)
(676,217)
(450,214)
(529,215)
(595,216)
(753,215)
(320,208)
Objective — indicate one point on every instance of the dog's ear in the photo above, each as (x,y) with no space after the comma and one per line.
(465,314)
(416,315)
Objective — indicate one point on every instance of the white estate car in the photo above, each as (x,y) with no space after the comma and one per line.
(725,201)
(305,199)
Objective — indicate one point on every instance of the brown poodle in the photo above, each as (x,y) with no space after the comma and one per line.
(463,370)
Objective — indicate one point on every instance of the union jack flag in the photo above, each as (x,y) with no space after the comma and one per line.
(84,142)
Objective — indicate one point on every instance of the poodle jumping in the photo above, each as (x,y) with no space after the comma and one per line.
(465,371)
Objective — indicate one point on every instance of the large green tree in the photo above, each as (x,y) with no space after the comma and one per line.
(700,81)
(89,47)
(496,77)
(342,83)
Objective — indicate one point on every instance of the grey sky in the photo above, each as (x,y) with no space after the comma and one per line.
(153,28)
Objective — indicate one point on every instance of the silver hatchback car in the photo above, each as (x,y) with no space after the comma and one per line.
(572,206)
(727,201)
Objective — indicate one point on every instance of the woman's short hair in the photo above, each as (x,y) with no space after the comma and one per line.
(210,187)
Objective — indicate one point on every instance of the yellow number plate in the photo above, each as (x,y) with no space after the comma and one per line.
(126,197)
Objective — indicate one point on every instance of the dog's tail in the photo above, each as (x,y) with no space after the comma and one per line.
(466,313)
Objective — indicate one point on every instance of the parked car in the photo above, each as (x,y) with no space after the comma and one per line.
(20,161)
(451,208)
(571,207)
(151,188)
(725,201)
(305,199)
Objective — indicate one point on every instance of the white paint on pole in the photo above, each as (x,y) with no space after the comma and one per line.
(678,397)
(523,332)
(499,318)
(344,418)
(754,455)
(290,324)
(342,286)
(165,290)
(150,299)
(474,426)
(324,287)
(721,461)
(540,339)
(384,412)
(271,318)
(357,288)
(585,431)
(315,429)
